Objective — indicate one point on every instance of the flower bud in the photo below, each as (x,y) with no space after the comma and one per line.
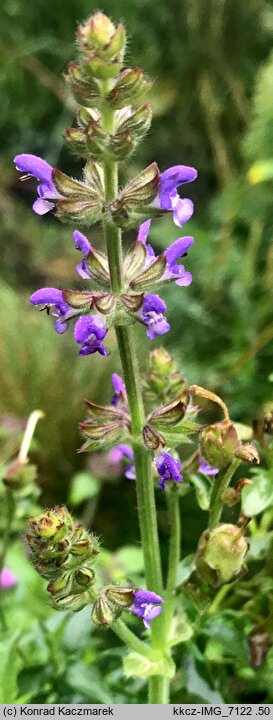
(220,554)
(84,577)
(71,602)
(129,87)
(218,443)
(84,88)
(161,362)
(61,585)
(121,597)
(98,34)
(248,453)
(102,612)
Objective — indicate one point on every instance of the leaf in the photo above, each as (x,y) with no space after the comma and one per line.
(131,558)
(83,487)
(88,681)
(257,497)
(202,487)
(135,665)
(196,684)
(185,568)
(10,664)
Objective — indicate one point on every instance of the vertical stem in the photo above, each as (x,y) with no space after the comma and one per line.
(142,458)
(221,482)
(174,557)
(158,690)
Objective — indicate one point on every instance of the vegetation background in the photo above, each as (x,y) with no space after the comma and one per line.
(212,65)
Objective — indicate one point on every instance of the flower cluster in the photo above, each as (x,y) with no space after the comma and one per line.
(64,554)
(111,601)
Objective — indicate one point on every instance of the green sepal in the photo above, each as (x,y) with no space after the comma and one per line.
(132,301)
(170,414)
(153,273)
(134,260)
(79,299)
(152,438)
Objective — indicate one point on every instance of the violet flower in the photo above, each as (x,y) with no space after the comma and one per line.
(119,389)
(83,245)
(206,469)
(7,579)
(177,249)
(89,330)
(168,198)
(151,314)
(120,452)
(52,297)
(41,170)
(168,469)
(147,605)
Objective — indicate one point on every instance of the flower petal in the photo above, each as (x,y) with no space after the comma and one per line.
(178,248)
(143,231)
(88,325)
(41,207)
(82,243)
(35,166)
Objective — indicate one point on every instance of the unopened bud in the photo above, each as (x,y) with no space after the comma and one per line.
(121,597)
(102,612)
(220,554)
(218,443)
(248,453)
(84,577)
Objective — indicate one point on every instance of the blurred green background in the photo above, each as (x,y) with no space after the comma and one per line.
(212,66)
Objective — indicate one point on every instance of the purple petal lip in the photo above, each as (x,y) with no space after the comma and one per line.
(47,296)
(153,303)
(7,579)
(141,597)
(143,231)
(82,243)
(35,166)
(118,384)
(150,613)
(86,326)
(178,248)
(206,469)
(41,207)
(177,175)
(93,346)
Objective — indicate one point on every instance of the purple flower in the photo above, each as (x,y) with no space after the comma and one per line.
(206,469)
(119,389)
(7,579)
(83,245)
(151,314)
(177,249)
(42,171)
(168,198)
(147,605)
(52,297)
(89,330)
(118,453)
(168,469)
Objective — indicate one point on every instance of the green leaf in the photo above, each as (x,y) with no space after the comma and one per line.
(202,487)
(135,665)
(257,497)
(83,487)
(197,685)
(88,681)
(10,664)
(185,569)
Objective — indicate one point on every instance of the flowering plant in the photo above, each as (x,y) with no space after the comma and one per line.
(148,417)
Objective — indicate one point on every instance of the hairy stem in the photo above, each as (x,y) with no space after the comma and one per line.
(174,557)
(142,458)
(158,690)
(221,482)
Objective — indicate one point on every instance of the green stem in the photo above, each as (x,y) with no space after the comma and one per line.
(174,557)
(131,640)
(5,546)
(158,690)
(221,482)
(142,458)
